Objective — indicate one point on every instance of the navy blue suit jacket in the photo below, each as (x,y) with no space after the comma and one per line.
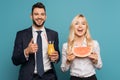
(22,40)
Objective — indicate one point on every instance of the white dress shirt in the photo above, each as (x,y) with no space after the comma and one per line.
(81,67)
(46,61)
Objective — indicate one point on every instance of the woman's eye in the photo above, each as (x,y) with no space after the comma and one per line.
(83,23)
(76,23)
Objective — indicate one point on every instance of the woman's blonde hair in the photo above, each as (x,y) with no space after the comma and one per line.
(72,34)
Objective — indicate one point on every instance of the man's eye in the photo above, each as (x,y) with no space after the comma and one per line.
(35,13)
(43,14)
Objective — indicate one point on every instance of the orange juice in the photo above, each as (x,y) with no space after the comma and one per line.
(50,48)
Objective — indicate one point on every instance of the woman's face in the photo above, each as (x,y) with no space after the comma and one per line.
(80,27)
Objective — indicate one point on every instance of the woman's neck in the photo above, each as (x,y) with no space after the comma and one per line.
(78,40)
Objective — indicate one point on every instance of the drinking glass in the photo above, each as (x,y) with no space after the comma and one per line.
(51,48)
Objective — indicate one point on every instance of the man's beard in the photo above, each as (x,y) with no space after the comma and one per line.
(37,24)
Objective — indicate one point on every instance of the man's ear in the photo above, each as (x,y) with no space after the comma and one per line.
(31,16)
(45,17)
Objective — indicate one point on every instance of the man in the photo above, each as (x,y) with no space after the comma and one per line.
(27,48)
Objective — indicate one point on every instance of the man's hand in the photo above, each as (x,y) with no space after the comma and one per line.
(32,48)
(54,56)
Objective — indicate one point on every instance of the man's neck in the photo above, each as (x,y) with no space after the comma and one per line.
(38,28)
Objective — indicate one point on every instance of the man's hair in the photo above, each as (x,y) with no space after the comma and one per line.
(38,5)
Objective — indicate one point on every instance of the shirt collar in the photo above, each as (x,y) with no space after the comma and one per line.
(34,29)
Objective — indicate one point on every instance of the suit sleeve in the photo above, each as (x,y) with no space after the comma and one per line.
(57,45)
(18,56)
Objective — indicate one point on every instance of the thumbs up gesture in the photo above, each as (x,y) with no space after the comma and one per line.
(32,48)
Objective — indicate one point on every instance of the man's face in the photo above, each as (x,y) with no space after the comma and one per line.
(38,16)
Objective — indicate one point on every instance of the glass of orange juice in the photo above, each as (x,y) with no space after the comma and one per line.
(51,48)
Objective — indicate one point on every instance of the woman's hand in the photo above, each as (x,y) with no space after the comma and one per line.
(70,58)
(94,57)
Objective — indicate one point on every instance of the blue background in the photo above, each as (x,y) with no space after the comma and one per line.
(103,17)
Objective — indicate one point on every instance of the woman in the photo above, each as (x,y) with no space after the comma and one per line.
(81,68)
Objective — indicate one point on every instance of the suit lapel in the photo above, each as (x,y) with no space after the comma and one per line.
(29,33)
(48,34)
(27,37)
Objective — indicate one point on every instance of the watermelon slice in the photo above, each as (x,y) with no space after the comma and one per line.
(82,51)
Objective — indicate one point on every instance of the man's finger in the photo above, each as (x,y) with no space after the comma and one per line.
(32,41)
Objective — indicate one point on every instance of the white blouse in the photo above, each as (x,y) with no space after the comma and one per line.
(81,67)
